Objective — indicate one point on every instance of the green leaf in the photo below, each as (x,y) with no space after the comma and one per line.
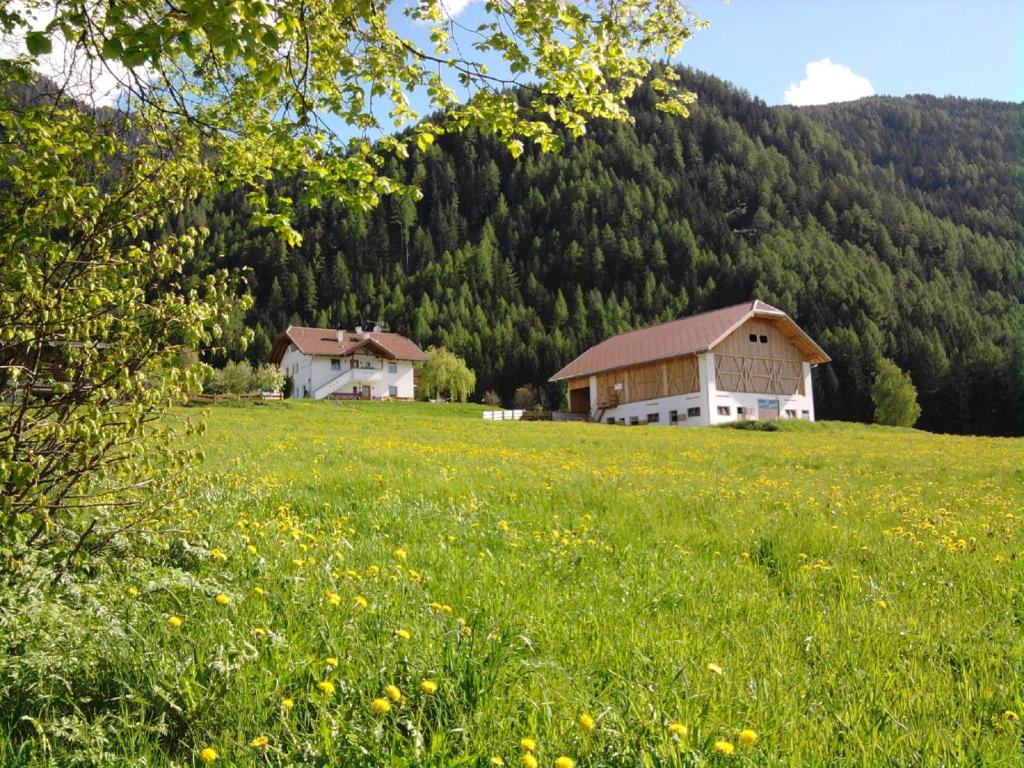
(113,48)
(38,43)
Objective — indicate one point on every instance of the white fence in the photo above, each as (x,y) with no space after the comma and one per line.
(503,415)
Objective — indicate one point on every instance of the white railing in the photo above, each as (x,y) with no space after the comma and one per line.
(352,374)
(503,415)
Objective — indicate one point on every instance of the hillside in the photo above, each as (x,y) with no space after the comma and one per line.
(886,227)
(850,594)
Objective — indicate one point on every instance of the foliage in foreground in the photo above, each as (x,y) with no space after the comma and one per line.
(93,321)
(618,596)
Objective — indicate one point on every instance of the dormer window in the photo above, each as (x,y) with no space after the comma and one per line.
(753,338)
(764,339)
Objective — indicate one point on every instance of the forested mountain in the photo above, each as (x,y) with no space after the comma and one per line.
(885,227)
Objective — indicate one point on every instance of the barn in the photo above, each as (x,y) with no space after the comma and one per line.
(749,361)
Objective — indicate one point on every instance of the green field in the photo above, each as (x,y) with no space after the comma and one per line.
(853,595)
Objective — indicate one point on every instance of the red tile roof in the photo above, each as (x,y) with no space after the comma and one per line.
(325,342)
(686,336)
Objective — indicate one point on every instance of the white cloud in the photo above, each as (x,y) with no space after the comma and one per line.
(826,83)
(454,7)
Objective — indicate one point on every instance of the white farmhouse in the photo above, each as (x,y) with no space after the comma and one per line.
(745,362)
(358,365)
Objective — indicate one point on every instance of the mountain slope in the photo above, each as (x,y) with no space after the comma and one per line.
(859,219)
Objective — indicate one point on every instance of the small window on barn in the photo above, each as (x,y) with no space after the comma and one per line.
(805,415)
(790,413)
(764,339)
(392,391)
(741,411)
(673,417)
(634,420)
(693,412)
(392,367)
(610,420)
(753,338)
(724,410)
(652,418)
(622,422)
(335,364)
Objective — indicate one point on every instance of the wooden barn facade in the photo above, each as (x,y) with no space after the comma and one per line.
(749,361)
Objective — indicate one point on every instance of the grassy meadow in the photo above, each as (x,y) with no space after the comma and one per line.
(407,585)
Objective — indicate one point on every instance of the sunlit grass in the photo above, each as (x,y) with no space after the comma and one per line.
(404,584)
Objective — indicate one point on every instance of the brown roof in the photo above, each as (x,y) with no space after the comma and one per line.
(324,341)
(686,336)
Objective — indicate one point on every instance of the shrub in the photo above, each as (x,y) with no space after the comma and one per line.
(894,396)
(492,398)
(529,397)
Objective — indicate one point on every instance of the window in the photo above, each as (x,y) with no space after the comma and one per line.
(392,367)
(741,411)
(353,363)
(652,418)
(753,338)
(724,410)
(392,391)
(634,420)
(763,339)
(335,364)
(610,420)
(622,422)
(693,412)
(790,413)
(673,417)
(805,415)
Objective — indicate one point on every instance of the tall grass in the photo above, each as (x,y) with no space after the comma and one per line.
(852,595)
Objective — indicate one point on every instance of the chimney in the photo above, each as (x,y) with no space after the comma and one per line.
(359,330)
(341,335)
(376,329)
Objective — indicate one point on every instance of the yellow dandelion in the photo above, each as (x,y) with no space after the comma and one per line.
(586,721)
(503,525)
(564,762)
(400,554)
(208,755)
(528,744)
(287,703)
(175,622)
(381,706)
(1012,716)
(404,634)
(497,761)
(724,747)
(881,604)
(258,590)
(334,598)
(133,592)
(677,729)
(362,602)
(222,599)
(326,686)
(716,669)
(332,661)
(747,737)
(528,761)
(259,742)
(429,686)
(252,549)
(393,692)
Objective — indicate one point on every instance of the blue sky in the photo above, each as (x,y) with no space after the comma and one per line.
(972,48)
(942,47)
